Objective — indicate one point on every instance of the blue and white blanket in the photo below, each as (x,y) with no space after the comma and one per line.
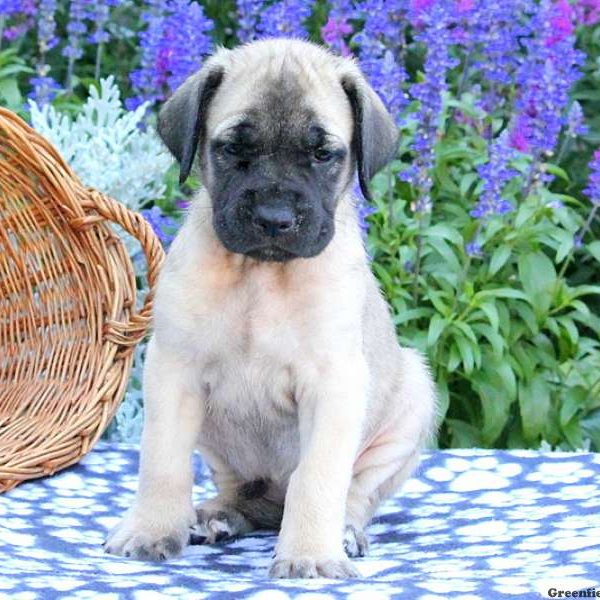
(473,524)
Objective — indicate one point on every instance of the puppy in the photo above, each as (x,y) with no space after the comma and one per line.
(273,350)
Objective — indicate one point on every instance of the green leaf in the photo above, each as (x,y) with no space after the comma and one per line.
(412,314)
(499,258)
(565,246)
(591,428)
(440,305)
(525,358)
(466,353)
(496,341)
(555,170)
(453,359)
(464,435)
(570,328)
(443,400)
(384,276)
(527,315)
(581,307)
(466,330)
(491,313)
(538,278)
(445,251)
(9,92)
(436,327)
(496,386)
(594,249)
(574,434)
(585,290)
(446,232)
(575,400)
(534,405)
(501,293)
(466,183)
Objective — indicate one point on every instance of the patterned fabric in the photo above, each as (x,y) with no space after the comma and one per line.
(473,524)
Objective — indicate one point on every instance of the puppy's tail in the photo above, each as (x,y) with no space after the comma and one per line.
(253,502)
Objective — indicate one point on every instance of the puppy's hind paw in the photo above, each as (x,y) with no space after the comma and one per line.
(309,568)
(218,525)
(355,542)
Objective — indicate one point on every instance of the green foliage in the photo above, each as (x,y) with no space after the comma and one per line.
(513,336)
(512,340)
(12,66)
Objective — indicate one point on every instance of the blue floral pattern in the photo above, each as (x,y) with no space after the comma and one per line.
(472,524)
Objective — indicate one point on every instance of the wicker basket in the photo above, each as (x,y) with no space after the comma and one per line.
(68,324)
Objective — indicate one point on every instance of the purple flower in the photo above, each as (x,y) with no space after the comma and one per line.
(386,76)
(182,204)
(381,45)
(99,13)
(435,34)
(22,11)
(587,11)
(163,225)
(248,17)
(363,208)
(545,79)
(464,6)
(10,7)
(593,186)
(488,33)
(285,19)
(576,121)
(342,9)
(173,47)
(44,87)
(46,26)
(76,28)
(334,33)
(495,174)
(474,249)
(419,9)
(561,23)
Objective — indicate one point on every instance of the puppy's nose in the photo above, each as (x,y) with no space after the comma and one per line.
(273,220)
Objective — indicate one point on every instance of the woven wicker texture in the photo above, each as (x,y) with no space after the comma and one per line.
(68,324)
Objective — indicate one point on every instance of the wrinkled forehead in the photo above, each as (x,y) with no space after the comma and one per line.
(281,95)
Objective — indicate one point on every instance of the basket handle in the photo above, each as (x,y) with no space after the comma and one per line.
(132,332)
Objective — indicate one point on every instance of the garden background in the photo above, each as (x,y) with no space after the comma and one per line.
(483,232)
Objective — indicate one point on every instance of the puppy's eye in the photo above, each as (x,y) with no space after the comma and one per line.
(322,155)
(233,149)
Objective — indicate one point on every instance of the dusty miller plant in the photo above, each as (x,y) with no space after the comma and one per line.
(110,151)
(106,147)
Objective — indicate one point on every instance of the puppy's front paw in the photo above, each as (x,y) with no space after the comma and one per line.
(309,568)
(148,537)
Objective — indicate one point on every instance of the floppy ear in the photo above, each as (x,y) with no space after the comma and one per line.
(182,120)
(375,136)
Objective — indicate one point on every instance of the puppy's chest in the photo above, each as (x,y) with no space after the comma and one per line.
(250,419)
(247,374)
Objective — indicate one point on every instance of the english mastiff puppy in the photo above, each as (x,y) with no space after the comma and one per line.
(273,350)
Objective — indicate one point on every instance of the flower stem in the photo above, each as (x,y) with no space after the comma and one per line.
(415,289)
(69,79)
(566,144)
(390,195)
(584,230)
(99,49)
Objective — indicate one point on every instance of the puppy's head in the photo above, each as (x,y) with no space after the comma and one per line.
(279,128)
